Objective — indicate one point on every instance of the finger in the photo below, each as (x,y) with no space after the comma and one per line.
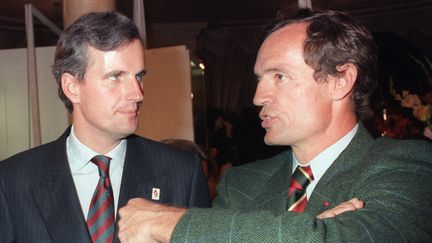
(123,236)
(357,203)
(136,201)
(351,205)
(132,206)
(125,217)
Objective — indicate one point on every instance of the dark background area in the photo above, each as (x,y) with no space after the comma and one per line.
(409,19)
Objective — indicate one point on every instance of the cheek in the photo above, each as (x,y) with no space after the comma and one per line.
(320,107)
(294,100)
(306,106)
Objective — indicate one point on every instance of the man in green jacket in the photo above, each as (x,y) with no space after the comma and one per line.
(315,75)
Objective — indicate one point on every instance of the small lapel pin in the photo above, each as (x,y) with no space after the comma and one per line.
(326,204)
(155,193)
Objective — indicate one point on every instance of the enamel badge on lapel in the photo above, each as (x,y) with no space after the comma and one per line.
(155,193)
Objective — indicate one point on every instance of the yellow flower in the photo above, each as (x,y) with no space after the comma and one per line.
(410,100)
(421,112)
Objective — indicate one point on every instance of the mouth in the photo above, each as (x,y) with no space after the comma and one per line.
(130,112)
(267,120)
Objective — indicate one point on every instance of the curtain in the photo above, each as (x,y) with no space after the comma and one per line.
(229,56)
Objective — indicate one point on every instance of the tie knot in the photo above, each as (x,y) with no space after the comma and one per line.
(302,176)
(102,163)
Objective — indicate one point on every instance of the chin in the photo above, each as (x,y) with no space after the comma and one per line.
(268,140)
(274,140)
(127,132)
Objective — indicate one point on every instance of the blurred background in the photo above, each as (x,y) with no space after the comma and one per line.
(222,39)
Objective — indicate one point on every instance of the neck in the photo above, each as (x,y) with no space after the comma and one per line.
(333,133)
(98,143)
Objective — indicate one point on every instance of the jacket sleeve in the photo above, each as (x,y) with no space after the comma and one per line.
(7,233)
(199,194)
(398,195)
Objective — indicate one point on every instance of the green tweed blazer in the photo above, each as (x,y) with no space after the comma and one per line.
(392,177)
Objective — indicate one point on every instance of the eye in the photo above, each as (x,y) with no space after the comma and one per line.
(140,76)
(114,77)
(280,77)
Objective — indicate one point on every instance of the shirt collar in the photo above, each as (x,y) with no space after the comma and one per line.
(323,160)
(80,155)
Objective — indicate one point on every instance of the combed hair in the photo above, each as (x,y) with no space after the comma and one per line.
(104,31)
(334,38)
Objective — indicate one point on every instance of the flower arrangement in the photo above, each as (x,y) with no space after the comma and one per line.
(396,126)
(421,105)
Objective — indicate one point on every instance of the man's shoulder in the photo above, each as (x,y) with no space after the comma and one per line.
(135,139)
(266,166)
(395,156)
(27,160)
(403,148)
(149,144)
(385,142)
(383,152)
(158,150)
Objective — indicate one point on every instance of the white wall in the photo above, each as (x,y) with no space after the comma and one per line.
(14,104)
(166,111)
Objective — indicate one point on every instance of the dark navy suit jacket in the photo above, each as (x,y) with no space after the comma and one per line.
(39,202)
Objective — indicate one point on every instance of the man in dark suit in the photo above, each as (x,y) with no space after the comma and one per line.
(315,75)
(47,194)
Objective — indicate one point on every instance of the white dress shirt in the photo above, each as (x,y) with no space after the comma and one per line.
(86,175)
(323,160)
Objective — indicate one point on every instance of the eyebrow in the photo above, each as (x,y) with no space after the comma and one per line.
(106,75)
(274,70)
(266,71)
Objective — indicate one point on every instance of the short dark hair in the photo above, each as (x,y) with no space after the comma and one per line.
(334,38)
(104,31)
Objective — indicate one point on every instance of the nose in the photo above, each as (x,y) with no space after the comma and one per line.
(135,91)
(262,94)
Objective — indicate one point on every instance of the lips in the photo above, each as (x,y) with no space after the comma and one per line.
(267,120)
(130,112)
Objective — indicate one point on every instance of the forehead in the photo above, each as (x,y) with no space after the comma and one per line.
(129,50)
(286,42)
(125,46)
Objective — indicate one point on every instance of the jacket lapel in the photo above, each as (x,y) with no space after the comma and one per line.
(138,179)
(275,190)
(56,198)
(340,174)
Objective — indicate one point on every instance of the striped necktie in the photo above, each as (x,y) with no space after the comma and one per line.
(297,189)
(100,218)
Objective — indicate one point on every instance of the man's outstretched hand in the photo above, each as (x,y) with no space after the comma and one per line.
(145,221)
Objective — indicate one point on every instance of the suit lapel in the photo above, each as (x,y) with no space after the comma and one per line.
(138,179)
(340,174)
(275,190)
(56,198)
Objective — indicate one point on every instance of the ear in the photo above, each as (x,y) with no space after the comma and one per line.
(70,86)
(345,81)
